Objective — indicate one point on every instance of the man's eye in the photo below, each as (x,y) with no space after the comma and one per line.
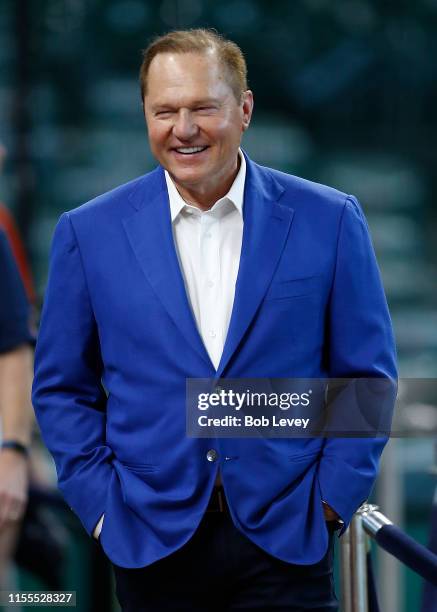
(164,113)
(205,109)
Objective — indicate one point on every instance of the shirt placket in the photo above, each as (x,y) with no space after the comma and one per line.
(211,306)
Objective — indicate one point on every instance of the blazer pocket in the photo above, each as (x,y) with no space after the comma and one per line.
(142,468)
(295,287)
(304,456)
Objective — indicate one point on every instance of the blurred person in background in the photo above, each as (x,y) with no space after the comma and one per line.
(39,546)
(210,266)
(8,225)
(16,365)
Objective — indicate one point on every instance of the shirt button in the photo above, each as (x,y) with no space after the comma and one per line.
(210,284)
(208,235)
(212,333)
(212,455)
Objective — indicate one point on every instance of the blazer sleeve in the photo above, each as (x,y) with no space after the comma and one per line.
(68,396)
(360,344)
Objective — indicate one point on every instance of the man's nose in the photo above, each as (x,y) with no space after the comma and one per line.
(185,126)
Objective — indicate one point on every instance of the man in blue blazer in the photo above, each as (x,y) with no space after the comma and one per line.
(210,266)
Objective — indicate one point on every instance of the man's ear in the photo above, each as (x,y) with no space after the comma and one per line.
(247,106)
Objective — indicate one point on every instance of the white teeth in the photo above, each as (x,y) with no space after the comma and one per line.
(190,149)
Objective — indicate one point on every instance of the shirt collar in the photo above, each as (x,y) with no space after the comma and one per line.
(235,194)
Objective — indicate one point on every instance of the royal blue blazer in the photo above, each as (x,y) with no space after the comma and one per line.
(118,341)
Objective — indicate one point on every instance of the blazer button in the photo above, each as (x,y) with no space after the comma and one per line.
(212,455)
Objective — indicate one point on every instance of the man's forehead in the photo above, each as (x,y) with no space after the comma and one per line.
(176,75)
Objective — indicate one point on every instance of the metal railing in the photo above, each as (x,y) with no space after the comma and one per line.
(357,588)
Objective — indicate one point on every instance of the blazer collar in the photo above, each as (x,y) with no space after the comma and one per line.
(266,227)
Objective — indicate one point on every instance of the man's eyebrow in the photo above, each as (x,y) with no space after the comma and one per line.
(193,104)
(206,101)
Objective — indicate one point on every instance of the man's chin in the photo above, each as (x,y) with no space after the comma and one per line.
(187,178)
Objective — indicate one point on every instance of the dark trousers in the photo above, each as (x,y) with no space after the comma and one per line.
(220,569)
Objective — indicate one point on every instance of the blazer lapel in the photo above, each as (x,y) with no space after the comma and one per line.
(266,227)
(150,234)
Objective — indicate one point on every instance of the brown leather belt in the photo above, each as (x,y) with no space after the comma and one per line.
(217,501)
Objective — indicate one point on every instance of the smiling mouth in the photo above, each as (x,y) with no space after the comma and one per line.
(190,150)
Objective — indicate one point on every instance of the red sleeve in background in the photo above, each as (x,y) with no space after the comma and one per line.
(8,225)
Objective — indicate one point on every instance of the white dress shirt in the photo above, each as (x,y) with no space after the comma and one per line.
(208,245)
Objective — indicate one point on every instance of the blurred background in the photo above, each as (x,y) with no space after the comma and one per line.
(345,94)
